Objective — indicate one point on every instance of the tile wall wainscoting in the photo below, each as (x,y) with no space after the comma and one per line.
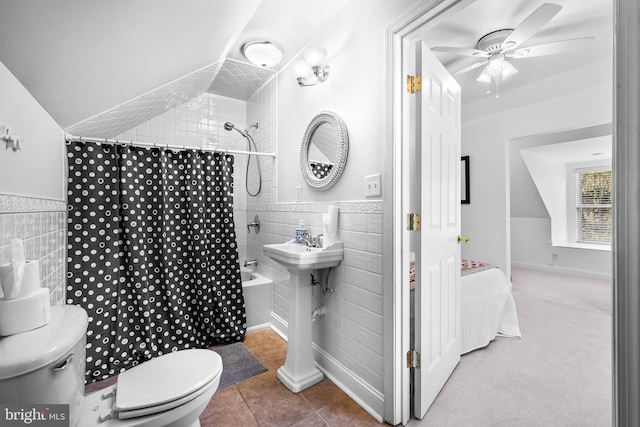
(42,225)
(348,341)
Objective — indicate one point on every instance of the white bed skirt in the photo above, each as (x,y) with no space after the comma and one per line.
(487,309)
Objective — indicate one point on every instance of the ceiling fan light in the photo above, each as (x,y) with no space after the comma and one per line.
(508,70)
(495,66)
(484,77)
(493,70)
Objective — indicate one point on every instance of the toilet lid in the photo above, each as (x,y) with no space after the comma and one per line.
(166,379)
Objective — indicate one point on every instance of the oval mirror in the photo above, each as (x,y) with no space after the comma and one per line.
(324,150)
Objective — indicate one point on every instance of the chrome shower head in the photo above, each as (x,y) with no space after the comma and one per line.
(230,126)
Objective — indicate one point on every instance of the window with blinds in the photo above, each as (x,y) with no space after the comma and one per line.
(593,205)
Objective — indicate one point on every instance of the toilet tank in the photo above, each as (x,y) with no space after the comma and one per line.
(46,365)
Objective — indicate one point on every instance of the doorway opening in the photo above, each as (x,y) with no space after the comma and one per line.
(400,33)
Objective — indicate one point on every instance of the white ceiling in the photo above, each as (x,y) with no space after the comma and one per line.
(578,18)
(585,150)
(83,59)
(79,58)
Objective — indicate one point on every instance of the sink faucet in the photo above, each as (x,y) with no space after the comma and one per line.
(307,239)
(313,241)
(250,263)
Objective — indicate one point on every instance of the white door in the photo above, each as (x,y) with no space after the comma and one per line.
(437,295)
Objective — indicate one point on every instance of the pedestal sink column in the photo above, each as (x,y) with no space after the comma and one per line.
(299,370)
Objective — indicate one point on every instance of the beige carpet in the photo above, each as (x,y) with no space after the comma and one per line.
(558,374)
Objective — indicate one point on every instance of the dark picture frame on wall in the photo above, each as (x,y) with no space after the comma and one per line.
(465,196)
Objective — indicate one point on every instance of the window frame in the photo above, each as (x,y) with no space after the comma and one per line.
(574,222)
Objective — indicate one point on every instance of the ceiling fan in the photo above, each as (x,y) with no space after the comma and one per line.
(499,47)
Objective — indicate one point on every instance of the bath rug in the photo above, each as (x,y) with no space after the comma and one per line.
(238,363)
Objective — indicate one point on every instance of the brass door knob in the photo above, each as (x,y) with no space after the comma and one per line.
(463,239)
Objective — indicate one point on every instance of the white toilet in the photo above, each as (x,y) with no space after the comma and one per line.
(47,365)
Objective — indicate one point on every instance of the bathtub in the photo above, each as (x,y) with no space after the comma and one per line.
(257,291)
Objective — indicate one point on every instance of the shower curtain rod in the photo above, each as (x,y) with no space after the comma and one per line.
(70,137)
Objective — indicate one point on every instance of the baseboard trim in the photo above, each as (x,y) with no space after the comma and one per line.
(362,393)
(562,270)
(279,326)
(258,327)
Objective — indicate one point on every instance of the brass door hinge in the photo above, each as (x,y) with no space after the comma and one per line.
(413,222)
(413,359)
(414,84)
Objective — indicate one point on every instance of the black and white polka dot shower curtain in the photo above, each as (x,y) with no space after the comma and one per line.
(319,169)
(152,253)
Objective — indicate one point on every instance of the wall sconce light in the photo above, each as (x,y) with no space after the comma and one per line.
(313,61)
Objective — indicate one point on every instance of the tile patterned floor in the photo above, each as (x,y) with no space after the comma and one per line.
(262,400)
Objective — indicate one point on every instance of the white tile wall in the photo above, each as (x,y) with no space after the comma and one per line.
(144,107)
(227,78)
(261,109)
(351,332)
(199,123)
(41,224)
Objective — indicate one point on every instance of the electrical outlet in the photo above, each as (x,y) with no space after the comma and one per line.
(298,193)
(372,186)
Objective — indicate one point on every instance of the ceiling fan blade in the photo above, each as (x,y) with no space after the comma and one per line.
(531,25)
(470,67)
(552,48)
(462,51)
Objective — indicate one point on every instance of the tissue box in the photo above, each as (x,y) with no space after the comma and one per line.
(24,314)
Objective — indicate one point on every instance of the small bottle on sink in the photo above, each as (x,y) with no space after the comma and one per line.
(301,232)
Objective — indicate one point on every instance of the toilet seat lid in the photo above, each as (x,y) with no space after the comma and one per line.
(166,378)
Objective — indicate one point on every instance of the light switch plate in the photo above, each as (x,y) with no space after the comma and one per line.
(372,186)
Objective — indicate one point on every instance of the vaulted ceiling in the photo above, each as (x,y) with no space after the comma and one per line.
(86,58)
(79,58)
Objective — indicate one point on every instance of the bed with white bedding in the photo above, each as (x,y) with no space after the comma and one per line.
(487,306)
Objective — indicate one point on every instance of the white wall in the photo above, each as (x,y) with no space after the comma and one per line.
(355,90)
(33,187)
(38,170)
(550,177)
(349,340)
(525,199)
(532,233)
(534,250)
(575,100)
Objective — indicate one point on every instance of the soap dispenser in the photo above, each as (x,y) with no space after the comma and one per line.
(301,232)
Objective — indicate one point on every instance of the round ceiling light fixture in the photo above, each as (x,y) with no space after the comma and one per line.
(262,53)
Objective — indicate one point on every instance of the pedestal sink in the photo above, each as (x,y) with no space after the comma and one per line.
(299,370)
